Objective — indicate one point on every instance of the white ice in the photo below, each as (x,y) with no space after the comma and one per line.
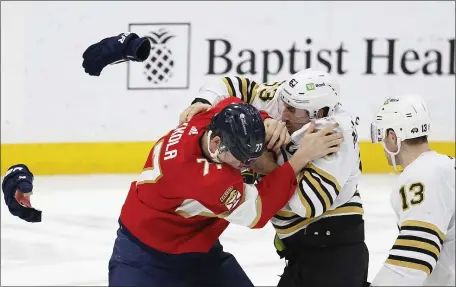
(73,244)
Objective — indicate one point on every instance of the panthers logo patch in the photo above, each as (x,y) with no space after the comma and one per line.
(230,198)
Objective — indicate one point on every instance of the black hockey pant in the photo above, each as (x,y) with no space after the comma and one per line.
(340,261)
(133,264)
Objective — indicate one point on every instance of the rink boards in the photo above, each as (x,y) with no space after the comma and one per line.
(129,157)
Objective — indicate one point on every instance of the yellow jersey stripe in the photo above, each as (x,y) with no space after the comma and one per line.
(322,193)
(425,227)
(298,224)
(229,86)
(243,86)
(417,245)
(409,263)
(326,177)
(305,200)
(259,207)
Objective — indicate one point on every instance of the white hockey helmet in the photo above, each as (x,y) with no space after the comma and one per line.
(310,90)
(407,115)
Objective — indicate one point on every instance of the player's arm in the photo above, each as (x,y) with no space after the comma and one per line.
(261,201)
(225,102)
(215,90)
(275,189)
(424,214)
(224,194)
(321,181)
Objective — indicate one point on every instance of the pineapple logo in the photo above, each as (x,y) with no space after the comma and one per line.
(158,67)
(168,64)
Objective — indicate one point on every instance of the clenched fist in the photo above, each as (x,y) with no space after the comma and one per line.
(276,134)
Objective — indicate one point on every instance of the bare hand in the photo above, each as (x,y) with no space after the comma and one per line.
(315,145)
(192,110)
(23,198)
(276,134)
(318,144)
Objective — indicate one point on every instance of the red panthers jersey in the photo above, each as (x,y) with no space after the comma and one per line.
(183,201)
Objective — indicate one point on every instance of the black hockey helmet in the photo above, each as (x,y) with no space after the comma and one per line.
(242,132)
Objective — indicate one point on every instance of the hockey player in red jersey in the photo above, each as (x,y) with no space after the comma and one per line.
(325,215)
(189,191)
(191,188)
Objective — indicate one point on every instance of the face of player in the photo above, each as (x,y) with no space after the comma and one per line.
(294,118)
(228,158)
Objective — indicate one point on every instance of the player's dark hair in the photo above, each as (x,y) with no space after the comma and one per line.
(417,141)
(215,133)
(388,130)
(325,111)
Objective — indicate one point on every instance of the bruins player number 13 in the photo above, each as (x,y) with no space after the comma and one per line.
(422,199)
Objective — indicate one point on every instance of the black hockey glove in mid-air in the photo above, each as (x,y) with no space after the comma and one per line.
(17,187)
(113,50)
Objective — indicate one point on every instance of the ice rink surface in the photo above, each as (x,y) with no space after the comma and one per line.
(73,244)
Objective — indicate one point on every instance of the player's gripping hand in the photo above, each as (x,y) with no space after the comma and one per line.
(112,50)
(192,110)
(17,188)
(317,144)
(276,134)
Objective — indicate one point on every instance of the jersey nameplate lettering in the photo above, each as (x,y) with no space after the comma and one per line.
(174,139)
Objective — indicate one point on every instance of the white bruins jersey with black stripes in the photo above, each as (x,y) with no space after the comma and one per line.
(424,203)
(262,96)
(327,186)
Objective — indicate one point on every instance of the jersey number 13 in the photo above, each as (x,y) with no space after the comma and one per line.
(417,189)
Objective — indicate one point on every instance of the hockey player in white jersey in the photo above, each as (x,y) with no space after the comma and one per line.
(423,198)
(321,229)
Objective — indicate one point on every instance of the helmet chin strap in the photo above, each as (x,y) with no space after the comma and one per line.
(214,155)
(393,154)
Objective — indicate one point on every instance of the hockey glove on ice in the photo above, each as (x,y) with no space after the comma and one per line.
(113,50)
(17,187)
